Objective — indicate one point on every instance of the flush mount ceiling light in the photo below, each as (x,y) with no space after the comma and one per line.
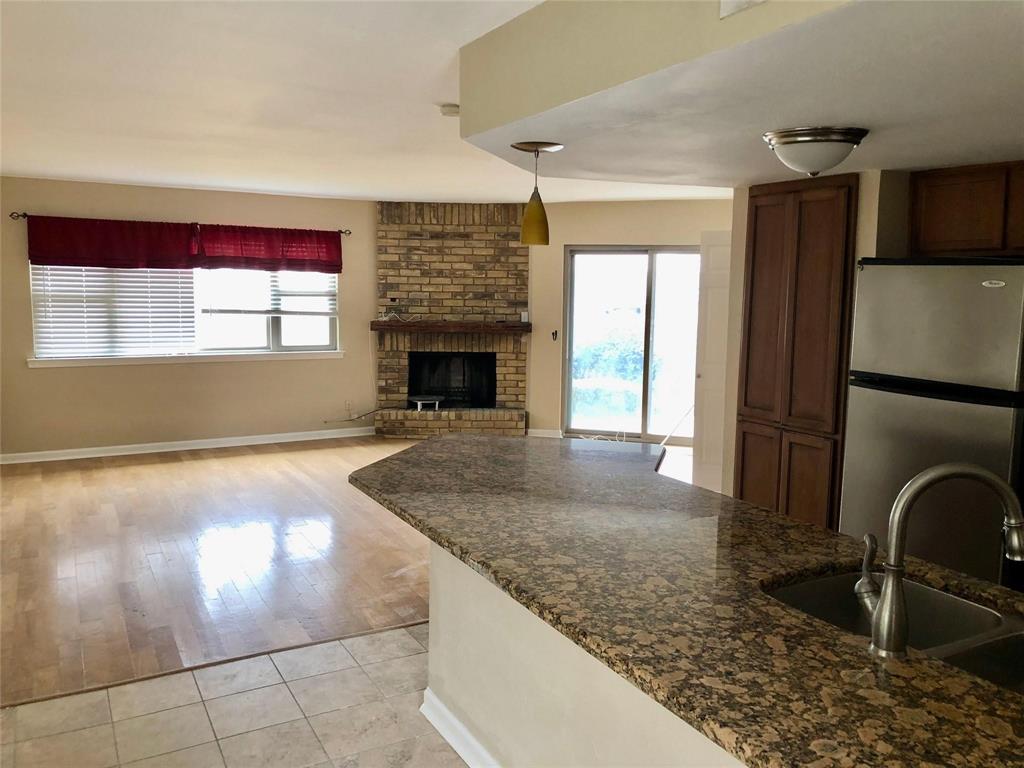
(534,230)
(813,150)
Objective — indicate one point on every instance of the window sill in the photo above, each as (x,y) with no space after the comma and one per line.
(230,357)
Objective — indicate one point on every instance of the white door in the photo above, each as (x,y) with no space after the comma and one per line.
(712,334)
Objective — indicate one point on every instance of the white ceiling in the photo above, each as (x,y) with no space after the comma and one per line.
(937,83)
(333,99)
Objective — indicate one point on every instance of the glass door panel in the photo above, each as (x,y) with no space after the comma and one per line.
(607,343)
(673,347)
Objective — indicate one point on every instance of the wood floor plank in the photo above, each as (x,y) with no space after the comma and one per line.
(121,567)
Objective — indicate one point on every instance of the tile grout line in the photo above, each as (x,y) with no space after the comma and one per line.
(61,733)
(220,751)
(113,731)
(203,699)
(330,760)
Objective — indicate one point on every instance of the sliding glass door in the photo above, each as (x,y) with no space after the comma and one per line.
(632,342)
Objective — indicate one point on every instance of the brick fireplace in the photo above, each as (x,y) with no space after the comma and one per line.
(451,286)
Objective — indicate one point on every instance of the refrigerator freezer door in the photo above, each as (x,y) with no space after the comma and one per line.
(891,437)
(959,324)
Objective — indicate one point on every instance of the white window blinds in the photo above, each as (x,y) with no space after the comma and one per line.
(102,312)
(247,291)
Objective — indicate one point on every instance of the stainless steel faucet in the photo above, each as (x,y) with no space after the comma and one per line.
(887,605)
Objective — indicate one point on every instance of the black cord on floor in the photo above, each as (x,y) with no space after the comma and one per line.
(353,418)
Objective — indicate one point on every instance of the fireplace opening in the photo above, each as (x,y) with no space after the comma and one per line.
(463,379)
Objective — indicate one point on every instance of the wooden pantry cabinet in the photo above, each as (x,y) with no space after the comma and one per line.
(794,357)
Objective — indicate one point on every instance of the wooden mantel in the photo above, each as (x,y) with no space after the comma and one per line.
(449,326)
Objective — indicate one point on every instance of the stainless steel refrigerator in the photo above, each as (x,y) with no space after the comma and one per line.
(935,377)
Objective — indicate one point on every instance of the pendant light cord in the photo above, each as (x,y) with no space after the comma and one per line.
(536,162)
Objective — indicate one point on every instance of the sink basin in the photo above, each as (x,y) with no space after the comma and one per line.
(936,618)
(966,635)
(1000,661)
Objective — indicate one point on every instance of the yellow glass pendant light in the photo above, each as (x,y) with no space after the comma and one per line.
(534,229)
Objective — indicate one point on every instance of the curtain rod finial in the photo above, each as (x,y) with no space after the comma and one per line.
(18,215)
(344,231)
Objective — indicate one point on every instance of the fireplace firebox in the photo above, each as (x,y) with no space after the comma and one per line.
(463,379)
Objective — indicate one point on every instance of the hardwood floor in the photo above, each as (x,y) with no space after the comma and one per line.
(118,568)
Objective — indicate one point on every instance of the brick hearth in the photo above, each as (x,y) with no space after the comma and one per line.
(412,423)
(455,263)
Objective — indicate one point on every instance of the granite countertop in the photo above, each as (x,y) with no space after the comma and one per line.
(663,582)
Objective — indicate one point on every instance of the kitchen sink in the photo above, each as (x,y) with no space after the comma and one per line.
(1000,661)
(936,618)
(969,636)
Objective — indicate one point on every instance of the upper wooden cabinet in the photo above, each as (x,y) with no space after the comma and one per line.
(974,209)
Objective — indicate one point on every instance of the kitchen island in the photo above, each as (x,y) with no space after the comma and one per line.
(663,584)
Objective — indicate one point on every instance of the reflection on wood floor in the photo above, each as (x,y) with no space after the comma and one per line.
(118,568)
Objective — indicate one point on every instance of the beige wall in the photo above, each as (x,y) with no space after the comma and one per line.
(740,196)
(60,408)
(669,222)
(506,74)
(883,224)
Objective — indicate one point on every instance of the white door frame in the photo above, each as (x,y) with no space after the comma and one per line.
(712,360)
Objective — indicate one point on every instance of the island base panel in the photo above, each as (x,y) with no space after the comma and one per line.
(507,689)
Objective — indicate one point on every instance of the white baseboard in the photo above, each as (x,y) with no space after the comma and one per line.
(555,433)
(458,736)
(181,445)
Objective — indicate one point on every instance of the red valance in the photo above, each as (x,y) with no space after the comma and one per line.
(64,241)
(269,249)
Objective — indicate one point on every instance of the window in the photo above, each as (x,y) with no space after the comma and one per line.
(102,312)
(633,342)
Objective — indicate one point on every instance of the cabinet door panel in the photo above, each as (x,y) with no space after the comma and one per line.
(815,305)
(805,491)
(960,209)
(757,464)
(768,234)
(1015,208)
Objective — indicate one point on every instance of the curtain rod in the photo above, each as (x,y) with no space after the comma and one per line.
(22,215)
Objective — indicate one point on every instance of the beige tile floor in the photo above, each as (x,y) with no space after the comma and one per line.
(343,704)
